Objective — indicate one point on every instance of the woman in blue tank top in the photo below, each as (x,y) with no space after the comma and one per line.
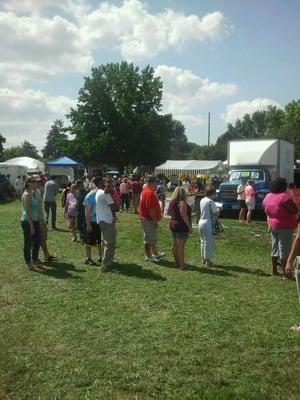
(30,222)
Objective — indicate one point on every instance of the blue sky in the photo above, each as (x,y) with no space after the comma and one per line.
(224,57)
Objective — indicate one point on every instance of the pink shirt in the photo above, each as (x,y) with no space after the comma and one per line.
(278,217)
(249,192)
(124,188)
(71,204)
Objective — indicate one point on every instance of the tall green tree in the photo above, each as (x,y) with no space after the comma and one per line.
(117,119)
(55,141)
(25,149)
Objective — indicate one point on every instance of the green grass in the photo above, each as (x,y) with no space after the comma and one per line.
(148,331)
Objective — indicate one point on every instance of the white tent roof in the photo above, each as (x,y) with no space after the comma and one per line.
(32,164)
(188,166)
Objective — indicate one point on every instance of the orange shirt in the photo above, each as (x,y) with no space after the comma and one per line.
(149,200)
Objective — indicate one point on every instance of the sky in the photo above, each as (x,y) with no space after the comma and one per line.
(228,58)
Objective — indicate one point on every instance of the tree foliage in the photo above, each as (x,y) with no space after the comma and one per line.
(2,141)
(25,149)
(55,141)
(272,123)
(118,121)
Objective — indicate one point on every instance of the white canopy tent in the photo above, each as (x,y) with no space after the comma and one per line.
(32,164)
(192,167)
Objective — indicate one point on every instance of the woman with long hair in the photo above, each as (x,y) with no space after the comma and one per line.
(180,224)
(30,222)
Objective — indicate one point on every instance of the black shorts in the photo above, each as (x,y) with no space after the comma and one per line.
(94,237)
(242,203)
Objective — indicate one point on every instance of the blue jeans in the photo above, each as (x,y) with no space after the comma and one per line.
(81,225)
(50,205)
(31,242)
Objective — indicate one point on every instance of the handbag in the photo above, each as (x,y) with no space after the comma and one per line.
(217,227)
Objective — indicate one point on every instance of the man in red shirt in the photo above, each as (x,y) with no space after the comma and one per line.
(150,215)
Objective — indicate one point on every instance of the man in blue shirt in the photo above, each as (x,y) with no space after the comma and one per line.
(93,234)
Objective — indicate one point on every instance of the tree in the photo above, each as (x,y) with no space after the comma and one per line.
(2,141)
(117,118)
(25,149)
(55,141)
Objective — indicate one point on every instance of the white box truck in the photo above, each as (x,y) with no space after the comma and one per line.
(260,160)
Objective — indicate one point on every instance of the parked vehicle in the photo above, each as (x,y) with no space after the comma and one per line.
(257,160)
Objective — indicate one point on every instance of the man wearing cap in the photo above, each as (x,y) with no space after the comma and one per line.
(150,215)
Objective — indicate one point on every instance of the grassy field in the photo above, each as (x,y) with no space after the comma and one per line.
(146,331)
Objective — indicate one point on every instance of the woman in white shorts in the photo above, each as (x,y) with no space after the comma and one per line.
(250,200)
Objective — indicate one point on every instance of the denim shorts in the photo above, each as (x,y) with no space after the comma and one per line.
(180,235)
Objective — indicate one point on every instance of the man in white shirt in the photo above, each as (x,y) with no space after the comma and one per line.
(105,211)
(241,198)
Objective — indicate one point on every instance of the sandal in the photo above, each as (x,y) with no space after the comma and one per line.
(39,266)
(32,267)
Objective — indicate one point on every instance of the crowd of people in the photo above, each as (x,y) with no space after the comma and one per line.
(91,207)
(86,211)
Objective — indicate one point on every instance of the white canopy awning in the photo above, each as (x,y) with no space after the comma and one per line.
(189,167)
(32,164)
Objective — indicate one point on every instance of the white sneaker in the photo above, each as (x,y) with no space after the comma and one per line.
(152,258)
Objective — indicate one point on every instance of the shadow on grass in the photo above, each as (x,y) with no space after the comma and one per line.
(203,270)
(59,230)
(7,201)
(243,270)
(60,270)
(138,271)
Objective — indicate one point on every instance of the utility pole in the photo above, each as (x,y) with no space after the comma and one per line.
(208,130)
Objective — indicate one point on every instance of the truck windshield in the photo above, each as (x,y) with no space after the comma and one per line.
(254,175)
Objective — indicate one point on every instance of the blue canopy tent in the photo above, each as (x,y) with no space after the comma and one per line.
(63,166)
(64,162)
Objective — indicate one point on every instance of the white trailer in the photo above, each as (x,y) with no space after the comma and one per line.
(273,155)
(13,171)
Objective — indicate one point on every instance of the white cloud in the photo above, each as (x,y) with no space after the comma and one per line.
(240,108)
(38,47)
(28,114)
(28,6)
(184,93)
(140,34)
